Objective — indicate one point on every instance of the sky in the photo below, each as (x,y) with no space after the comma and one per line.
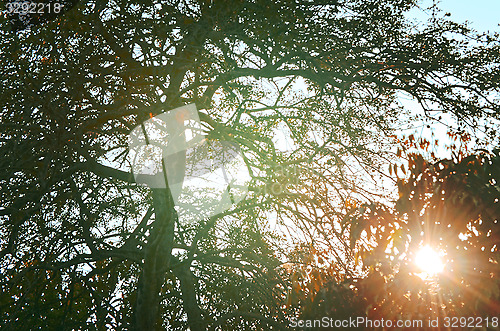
(484,15)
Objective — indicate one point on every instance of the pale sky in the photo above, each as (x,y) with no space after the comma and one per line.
(483,14)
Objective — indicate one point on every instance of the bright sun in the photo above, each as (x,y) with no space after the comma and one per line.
(429,262)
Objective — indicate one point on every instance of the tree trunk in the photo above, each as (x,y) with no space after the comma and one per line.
(156,262)
(189,299)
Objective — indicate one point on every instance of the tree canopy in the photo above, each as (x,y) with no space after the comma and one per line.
(309,92)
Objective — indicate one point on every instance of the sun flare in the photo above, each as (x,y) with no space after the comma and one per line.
(429,262)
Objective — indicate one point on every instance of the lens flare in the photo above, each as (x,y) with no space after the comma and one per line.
(429,262)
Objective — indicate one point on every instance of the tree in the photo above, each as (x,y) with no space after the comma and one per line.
(450,204)
(460,197)
(85,246)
